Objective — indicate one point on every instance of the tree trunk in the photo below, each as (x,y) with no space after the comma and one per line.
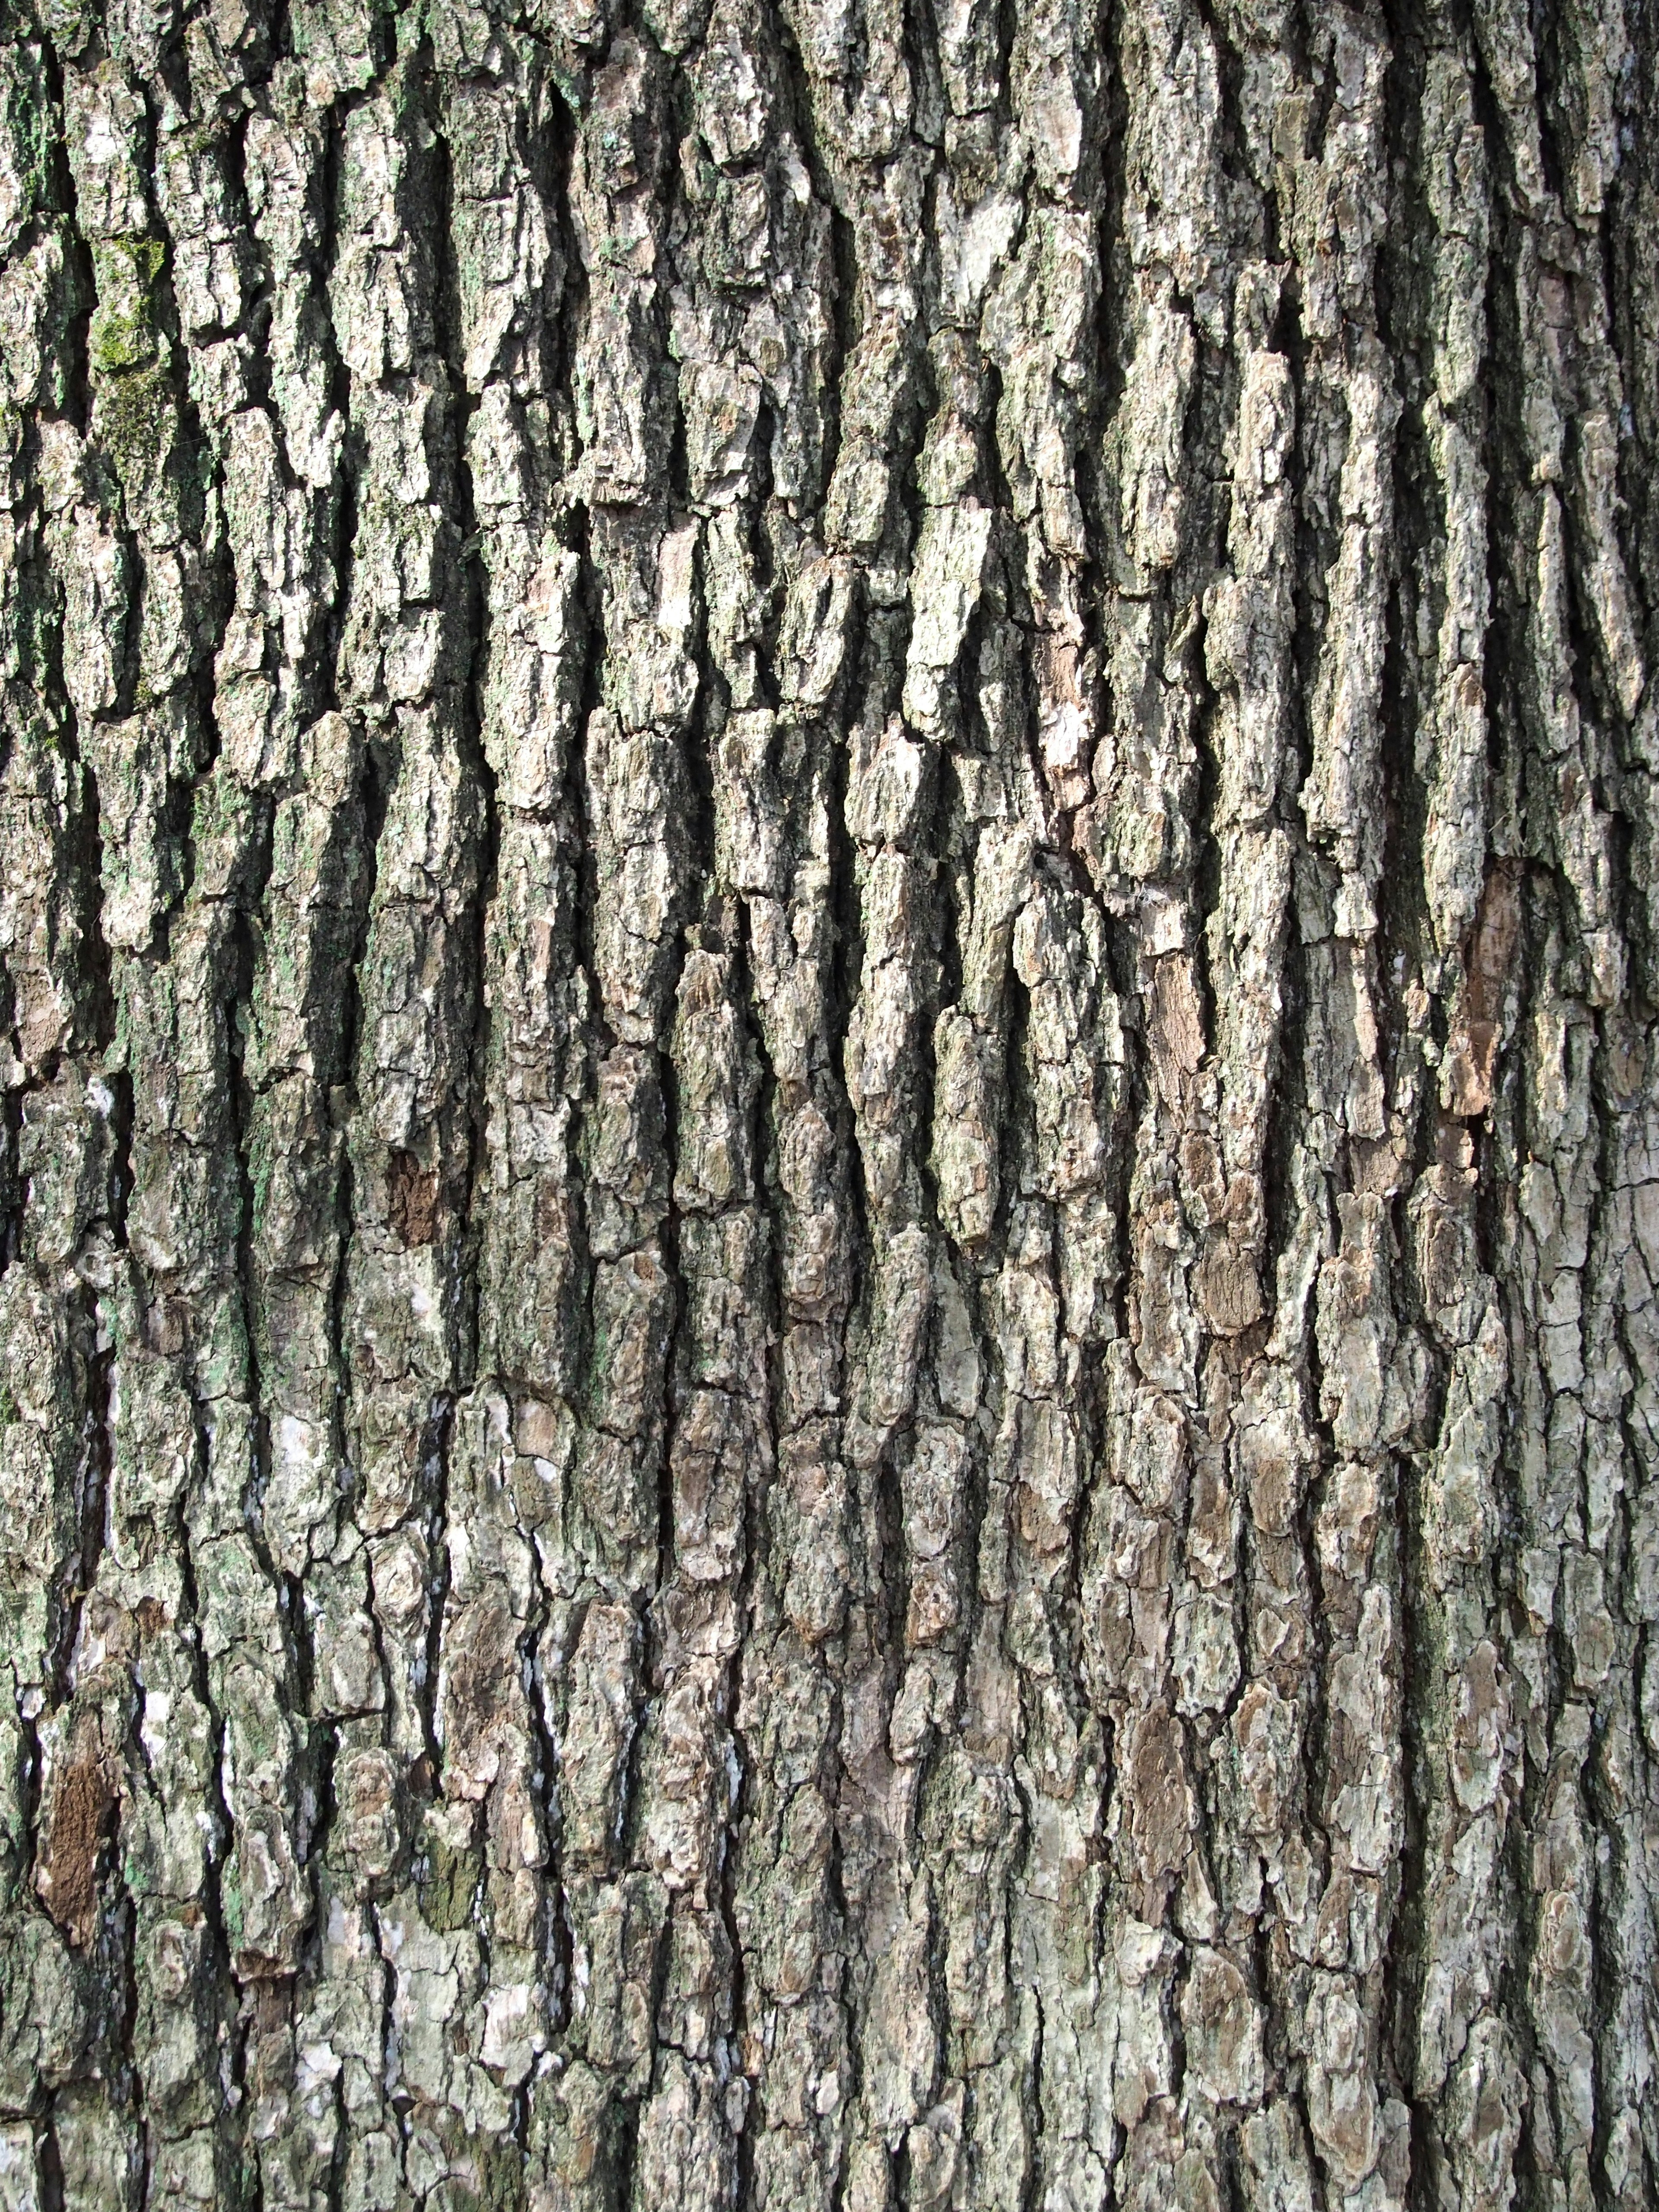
(831,1166)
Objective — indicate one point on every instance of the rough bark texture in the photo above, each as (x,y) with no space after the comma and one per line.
(830,1182)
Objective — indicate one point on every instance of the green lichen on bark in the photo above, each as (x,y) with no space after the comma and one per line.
(827,1224)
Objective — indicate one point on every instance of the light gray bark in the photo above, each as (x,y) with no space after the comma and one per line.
(831,1184)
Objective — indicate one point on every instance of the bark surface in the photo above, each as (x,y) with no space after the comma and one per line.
(830,1173)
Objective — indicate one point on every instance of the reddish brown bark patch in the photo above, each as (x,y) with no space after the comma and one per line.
(1472,1047)
(412,1198)
(68,1878)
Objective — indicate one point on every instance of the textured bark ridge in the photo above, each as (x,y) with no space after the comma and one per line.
(830,1172)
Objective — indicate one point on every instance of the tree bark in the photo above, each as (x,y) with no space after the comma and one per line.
(830,1180)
